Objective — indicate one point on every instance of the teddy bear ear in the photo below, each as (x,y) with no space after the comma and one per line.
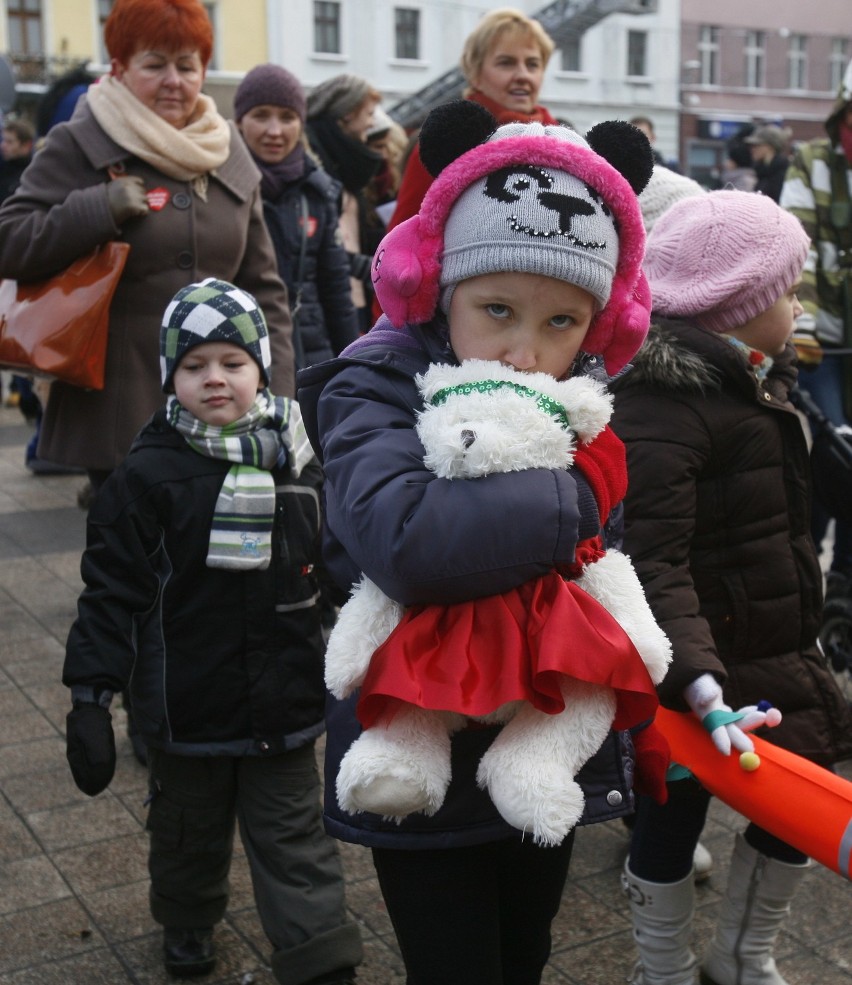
(626,148)
(451,130)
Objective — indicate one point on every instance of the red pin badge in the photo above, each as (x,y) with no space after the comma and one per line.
(158,198)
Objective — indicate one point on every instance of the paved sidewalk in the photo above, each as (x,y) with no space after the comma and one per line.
(73,877)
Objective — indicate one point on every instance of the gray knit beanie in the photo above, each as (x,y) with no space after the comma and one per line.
(664,188)
(212,311)
(269,85)
(533,220)
(338,97)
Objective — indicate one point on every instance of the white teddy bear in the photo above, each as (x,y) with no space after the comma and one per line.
(512,422)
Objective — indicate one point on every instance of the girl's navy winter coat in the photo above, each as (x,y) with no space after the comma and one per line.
(428,540)
(218,662)
(326,322)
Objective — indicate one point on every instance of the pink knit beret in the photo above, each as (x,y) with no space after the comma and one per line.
(723,258)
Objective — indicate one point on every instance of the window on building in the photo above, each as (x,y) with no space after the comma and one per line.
(211,13)
(104,8)
(571,54)
(25,29)
(407,30)
(708,54)
(837,60)
(755,50)
(797,62)
(637,53)
(327,27)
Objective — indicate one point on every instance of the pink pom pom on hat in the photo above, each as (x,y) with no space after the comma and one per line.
(534,199)
(723,258)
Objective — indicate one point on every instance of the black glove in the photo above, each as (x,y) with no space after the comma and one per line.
(90,746)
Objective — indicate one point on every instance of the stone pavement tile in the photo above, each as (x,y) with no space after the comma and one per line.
(836,954)
(53,703)
(29,794)
(24,725)
(65,565)
(93,868)
(17,624)
(382,964)
(235,958)
(583,916)
(33,661)
(30,882)
(100,818)
(16,841)
(98,967)
(368,907)
(604,961)
(121,913)
(45,933)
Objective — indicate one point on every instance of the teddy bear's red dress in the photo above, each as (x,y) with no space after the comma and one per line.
(472,657)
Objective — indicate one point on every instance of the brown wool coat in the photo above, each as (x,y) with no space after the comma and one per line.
(717,522)
(60,212)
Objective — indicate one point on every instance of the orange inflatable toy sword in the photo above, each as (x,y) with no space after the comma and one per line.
(803,804)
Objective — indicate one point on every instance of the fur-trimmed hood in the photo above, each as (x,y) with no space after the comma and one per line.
(681,356)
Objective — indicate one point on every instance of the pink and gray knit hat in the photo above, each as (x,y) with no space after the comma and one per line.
(723,258)
(527,198)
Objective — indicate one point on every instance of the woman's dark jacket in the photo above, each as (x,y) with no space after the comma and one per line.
(717,525)
(770,176)
(218,662)
(326,319)
(422,539)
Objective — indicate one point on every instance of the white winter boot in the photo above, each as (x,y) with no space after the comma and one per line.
(662,927)
(756,904)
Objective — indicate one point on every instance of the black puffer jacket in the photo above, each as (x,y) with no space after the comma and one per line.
(717,525)
(326,321)
(218,662)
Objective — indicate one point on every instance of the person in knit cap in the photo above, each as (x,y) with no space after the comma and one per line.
(717,523)
(664,188)
(201,597)
(526,253)
(300,205)
(340,115)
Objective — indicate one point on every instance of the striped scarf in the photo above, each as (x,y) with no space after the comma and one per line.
(269,435)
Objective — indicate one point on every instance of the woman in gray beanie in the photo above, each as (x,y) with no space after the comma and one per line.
(340,113)
(300,205)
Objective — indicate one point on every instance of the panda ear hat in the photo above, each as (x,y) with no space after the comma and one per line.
(530,198)
(457,127)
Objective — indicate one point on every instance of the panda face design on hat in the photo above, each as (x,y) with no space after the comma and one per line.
(512,184)
(532,219)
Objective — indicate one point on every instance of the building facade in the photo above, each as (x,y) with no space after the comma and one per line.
(698,71)
(766,61)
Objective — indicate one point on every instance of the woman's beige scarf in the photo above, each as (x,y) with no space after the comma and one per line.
(188,154)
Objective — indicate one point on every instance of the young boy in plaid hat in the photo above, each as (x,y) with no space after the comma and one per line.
(202,599)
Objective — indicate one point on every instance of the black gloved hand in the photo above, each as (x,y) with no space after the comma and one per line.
(90,747)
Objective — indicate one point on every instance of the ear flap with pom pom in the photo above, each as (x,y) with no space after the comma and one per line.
(451,130)
(626,148)
(405,273)
(620,329)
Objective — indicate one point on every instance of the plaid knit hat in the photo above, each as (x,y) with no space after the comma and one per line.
(212,311)
(269,85)
(526,198)
(723,258)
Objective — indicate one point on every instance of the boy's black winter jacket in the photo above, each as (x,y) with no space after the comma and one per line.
(217,662)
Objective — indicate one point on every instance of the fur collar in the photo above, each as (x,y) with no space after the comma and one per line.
(679,355)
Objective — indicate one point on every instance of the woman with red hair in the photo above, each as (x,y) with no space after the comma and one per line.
(146,159)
